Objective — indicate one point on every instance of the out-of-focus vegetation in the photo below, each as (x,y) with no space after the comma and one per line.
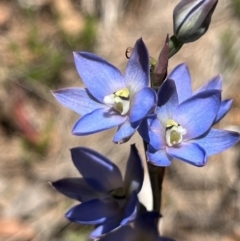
(47,51)
(236,7)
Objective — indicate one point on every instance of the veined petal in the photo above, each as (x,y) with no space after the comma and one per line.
(143,129)
(134,172)
(100,77)
(152,131)
(182,79)
(157,134)
(214,83)
(76,188)
(138,70)
(167,101)
(225,106)
(77,99)
(142,103)
(93,212)
(125,131)
(216,141)
(96,121)
(98,171)
(197,114)
(158,157)
(190,153)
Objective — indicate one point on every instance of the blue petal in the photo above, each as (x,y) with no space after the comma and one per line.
(190,153)
(125,131)
(105,228)
(125,233)
(96,121)
(152,131)
(143,129)
(100,77)
(216,141)
(158,157)
(131,208)
(93,212)
(134,172)
(76,188)
(167,101)
(214,83)
(197,113)
(182,79)
(142,103)
(138,70)
(225,106)
(98,171)
(77,99)
(157,134)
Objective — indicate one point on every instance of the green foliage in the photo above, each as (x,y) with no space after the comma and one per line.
(40,56)
(82,234)
(236,7)
(228,53)
(85,40)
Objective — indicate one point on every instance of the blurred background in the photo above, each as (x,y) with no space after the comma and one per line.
(37,38)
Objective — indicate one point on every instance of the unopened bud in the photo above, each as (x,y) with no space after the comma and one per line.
(191,19)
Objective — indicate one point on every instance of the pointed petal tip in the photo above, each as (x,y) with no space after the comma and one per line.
(181,66)
(133,146)
(76,54)
(140,40)
(56,92)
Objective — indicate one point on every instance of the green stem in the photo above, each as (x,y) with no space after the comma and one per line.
(174,46)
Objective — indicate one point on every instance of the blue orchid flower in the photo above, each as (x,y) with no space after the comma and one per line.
(110,98)
(144,228)
(182,79)
(107,200)
(181,127)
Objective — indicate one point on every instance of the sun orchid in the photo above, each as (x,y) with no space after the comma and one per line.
(181,126)
(110,98)
(182,79)
(107,200)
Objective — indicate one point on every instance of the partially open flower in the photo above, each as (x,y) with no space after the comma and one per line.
(107,200)
(191,19)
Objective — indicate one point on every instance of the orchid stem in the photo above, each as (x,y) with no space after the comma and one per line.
(174,46)
(156,178)
(156,175)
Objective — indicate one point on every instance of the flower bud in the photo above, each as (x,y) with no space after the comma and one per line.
(191,19)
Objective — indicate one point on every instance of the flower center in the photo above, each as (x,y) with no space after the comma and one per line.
(119,100)
(174,133)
